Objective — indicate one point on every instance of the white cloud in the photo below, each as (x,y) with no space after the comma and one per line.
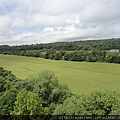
(36,21)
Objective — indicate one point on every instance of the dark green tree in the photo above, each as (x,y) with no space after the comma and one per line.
(2,84)
(48,89)
(7,100)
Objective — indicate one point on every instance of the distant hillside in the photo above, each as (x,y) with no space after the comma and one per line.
(105,44)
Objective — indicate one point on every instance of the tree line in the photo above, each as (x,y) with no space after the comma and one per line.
(42,94)
(90,51)
(105,44)
(88,56)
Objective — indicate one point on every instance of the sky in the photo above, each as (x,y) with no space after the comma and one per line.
(45,21)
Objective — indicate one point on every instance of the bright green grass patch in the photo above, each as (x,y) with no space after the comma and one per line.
(81,77)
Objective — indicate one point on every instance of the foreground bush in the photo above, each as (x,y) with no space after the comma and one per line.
(97,103)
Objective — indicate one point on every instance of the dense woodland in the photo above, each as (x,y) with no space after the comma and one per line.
(88,45)
(90,51)
(42,94)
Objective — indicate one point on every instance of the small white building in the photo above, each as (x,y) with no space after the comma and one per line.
(114,50)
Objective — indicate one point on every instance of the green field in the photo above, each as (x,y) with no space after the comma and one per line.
(81,77)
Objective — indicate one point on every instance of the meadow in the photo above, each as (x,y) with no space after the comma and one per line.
(81,77)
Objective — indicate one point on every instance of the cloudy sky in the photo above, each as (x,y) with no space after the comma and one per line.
(44,21)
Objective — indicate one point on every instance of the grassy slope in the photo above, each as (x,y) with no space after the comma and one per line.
(81,77)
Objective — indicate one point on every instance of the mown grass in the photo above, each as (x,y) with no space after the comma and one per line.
(81,77)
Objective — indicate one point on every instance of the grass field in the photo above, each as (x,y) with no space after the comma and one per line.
(81,77)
